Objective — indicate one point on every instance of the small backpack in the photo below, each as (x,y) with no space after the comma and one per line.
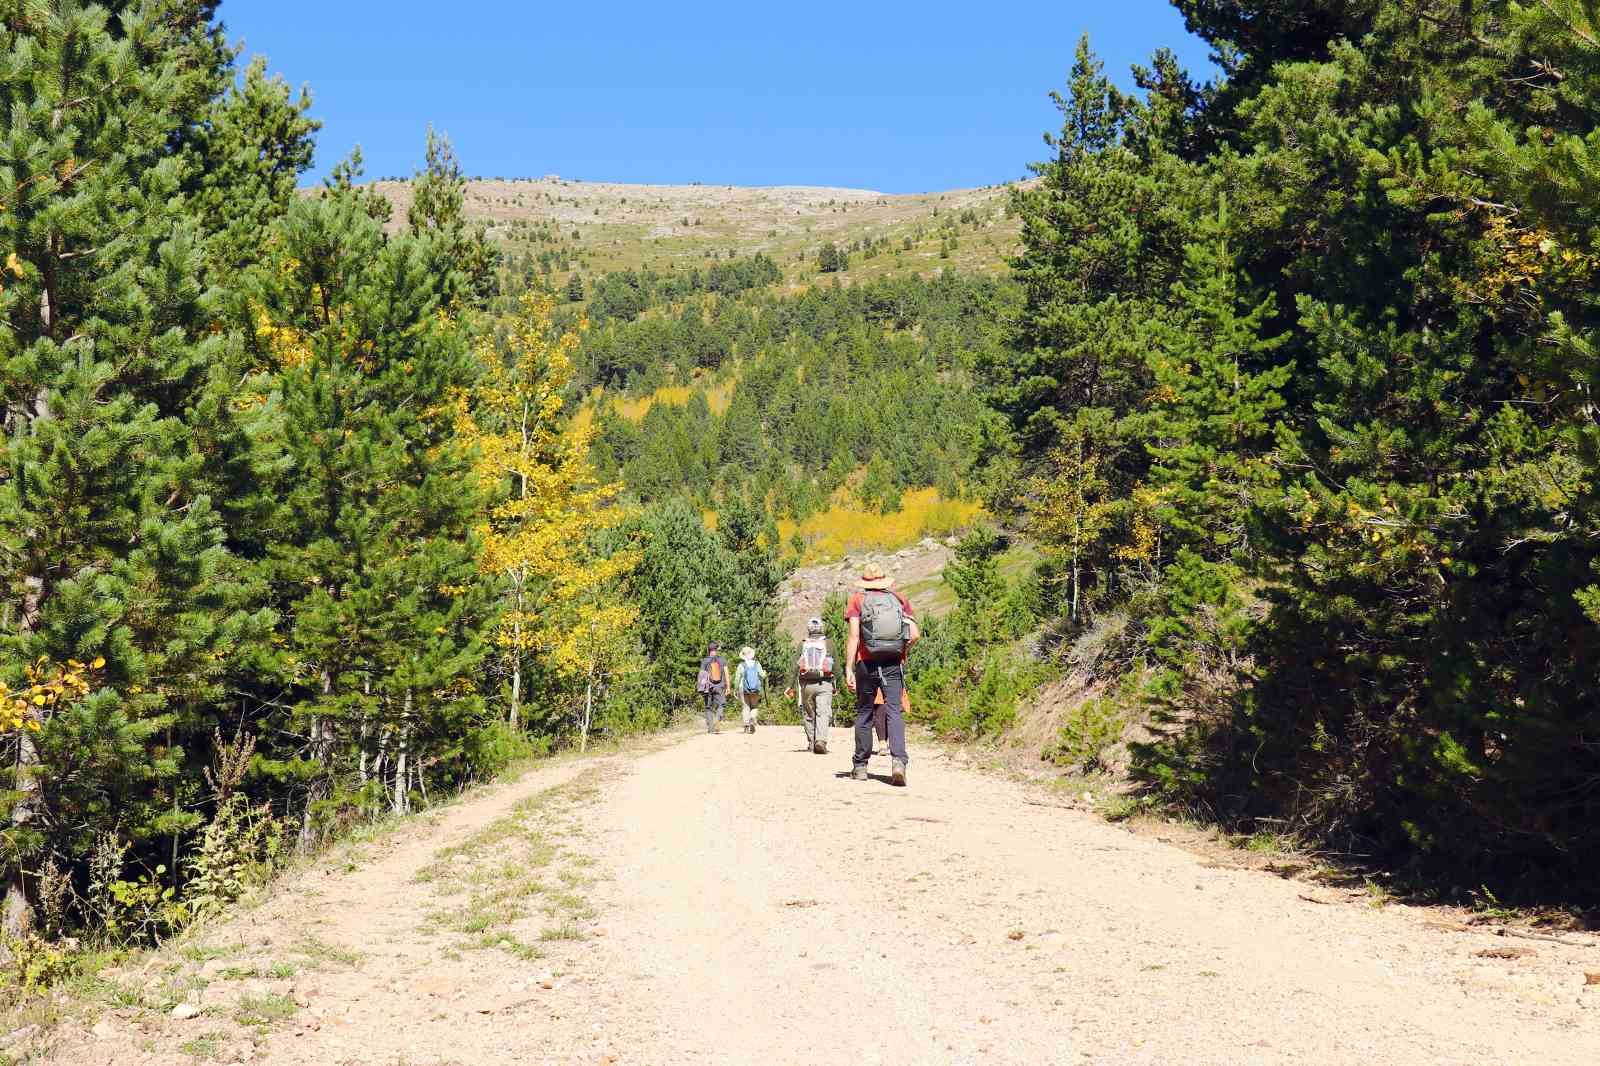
(702,684)
(750,673)
(883,626)
(815,662)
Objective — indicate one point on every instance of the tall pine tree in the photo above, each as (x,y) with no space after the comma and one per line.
(110,543)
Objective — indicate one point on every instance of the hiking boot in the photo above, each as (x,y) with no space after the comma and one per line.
(858,773)
(897,771)
(820,747)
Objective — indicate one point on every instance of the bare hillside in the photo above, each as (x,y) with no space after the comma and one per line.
(603,226)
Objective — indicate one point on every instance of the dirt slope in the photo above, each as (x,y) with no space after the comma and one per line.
(748,904)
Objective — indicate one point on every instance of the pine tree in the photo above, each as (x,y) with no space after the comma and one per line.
(438,205)
(575,288)
(1217,392)
(370,552)
(243,162)
(1102,241)
(110,545)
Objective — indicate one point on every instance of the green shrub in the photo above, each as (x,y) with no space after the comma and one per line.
(239,849)
(492,747)
(1091,729)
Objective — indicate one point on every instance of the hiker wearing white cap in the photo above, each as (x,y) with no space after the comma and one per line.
(882,630)
(814,683)
(749,679)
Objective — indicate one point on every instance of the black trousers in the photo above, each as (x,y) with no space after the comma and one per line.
(871,678)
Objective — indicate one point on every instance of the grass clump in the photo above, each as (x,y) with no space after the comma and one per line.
(499,869)
(264,1010)
(317,951)
(568,929)
(206,1048)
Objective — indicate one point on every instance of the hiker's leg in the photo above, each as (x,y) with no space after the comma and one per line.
(866,688)
(822,704)
(894,684)
(808,713)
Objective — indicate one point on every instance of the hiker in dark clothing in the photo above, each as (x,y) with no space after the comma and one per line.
(713,685)
(882,630)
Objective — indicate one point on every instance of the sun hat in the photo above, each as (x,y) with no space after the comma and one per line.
(873,578)
(814,625)
(747,653)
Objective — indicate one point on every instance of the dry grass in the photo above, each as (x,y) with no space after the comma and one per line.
(666,227)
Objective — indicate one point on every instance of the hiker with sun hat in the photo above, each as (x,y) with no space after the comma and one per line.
(750,681)
(882,630)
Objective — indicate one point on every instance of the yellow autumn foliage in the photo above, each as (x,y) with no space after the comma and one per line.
(849,527)
(48,685)
(537,537)
(718,397)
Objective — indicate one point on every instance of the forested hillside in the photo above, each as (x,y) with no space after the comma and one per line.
(785,400)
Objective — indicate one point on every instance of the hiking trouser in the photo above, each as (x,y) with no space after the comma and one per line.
(749,703)
(716,699)
(816,711)
(891,679)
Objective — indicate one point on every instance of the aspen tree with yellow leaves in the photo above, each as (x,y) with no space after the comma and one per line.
(563,603)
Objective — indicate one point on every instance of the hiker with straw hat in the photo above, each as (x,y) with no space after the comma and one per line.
(882,630)
(749,680)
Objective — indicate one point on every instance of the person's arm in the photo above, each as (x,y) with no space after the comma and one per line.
(852,646)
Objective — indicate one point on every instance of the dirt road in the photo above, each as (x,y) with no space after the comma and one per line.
(731,899)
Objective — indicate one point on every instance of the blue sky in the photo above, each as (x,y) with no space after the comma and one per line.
(898,97)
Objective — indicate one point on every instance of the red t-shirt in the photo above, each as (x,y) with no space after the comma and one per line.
(853,610)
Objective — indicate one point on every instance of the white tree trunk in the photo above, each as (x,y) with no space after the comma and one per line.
(16,912)
(515,717)
(402,790)
(588,710)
